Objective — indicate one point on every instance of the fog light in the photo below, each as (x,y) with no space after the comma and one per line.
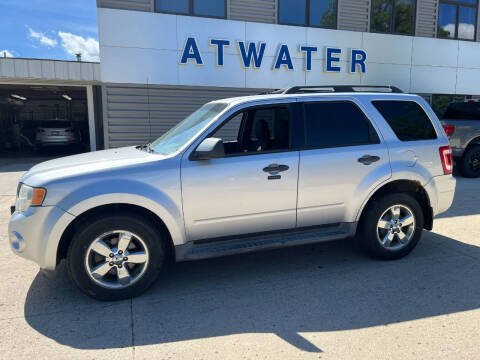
(17,242)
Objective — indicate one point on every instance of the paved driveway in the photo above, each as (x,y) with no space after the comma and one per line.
(323,301)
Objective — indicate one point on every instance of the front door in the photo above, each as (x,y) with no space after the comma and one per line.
(253,188)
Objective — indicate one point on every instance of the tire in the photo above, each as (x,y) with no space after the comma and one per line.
(146,244)
(371,236)
(469,164)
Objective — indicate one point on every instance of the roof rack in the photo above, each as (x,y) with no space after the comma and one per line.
(337,88)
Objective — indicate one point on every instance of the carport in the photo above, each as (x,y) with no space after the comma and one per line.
(49,105)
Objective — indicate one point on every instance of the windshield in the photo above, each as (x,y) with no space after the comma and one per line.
(179,135)
(55,124)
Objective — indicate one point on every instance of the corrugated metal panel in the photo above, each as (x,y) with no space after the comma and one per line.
(253,10)
(137,114)
(74,71)
(139,5)
(353,15)
(426,24)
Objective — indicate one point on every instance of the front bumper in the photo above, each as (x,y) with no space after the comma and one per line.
(36,233)
(441,191)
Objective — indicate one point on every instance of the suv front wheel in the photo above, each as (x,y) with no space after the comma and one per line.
(391,226)
(116,257)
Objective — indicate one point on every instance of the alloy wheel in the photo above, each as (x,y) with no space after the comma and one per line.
(116,259)
(396,227)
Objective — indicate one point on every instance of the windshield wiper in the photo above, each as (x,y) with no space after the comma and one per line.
(146,147)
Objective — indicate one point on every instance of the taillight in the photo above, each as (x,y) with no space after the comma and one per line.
(447,160)
(449,129)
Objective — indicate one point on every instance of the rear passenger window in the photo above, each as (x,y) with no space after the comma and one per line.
(342,123)
(407,119)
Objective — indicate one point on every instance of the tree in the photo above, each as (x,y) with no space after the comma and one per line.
(329,16)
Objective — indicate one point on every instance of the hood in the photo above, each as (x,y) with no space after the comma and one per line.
(86,163)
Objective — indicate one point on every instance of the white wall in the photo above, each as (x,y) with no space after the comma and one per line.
(140,47)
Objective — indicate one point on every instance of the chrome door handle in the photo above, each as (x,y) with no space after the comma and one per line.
(275,168)
(368,159)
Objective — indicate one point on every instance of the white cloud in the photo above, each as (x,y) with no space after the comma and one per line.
(44,39)
(465,31)
(74,44)
(6,53)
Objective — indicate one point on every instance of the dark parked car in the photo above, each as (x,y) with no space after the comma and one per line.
(461,122)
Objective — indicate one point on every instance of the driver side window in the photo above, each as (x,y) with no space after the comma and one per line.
(255,130)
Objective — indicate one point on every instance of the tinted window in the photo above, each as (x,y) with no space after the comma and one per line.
(214,8)
(382,11)
(175,6)
(209,8)
(404,17)
(393,16)
(292,12)
(407,120)
(331,124)
(457,18)
(323,13)
(466,22)
(56,124)
(463,110)
(447,15)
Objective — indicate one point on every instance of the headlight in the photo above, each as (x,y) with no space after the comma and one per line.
(29,196)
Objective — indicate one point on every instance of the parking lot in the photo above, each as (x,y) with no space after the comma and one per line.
(324,301)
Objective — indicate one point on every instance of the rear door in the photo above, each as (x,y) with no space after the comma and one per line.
(342,160)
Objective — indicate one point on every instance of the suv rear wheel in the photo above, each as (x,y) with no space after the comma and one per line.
(116,257)
(469,164)
(391,226)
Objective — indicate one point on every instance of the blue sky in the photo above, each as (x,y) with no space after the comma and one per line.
(49,29)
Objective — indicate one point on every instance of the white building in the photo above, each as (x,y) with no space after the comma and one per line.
(161,59)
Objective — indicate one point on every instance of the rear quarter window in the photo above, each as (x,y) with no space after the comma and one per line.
(407,119)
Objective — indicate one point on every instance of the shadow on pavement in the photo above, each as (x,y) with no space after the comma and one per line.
(466,201)
(319,288)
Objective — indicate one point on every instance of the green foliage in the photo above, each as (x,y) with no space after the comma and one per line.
(382,16)
(329,16)
(404,14)
(440,103)
(442,33)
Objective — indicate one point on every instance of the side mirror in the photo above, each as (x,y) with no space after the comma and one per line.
(210,148)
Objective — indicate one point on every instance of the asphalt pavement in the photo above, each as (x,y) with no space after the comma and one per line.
(324,301)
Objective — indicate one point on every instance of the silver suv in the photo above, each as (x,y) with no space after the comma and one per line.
(298,166)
